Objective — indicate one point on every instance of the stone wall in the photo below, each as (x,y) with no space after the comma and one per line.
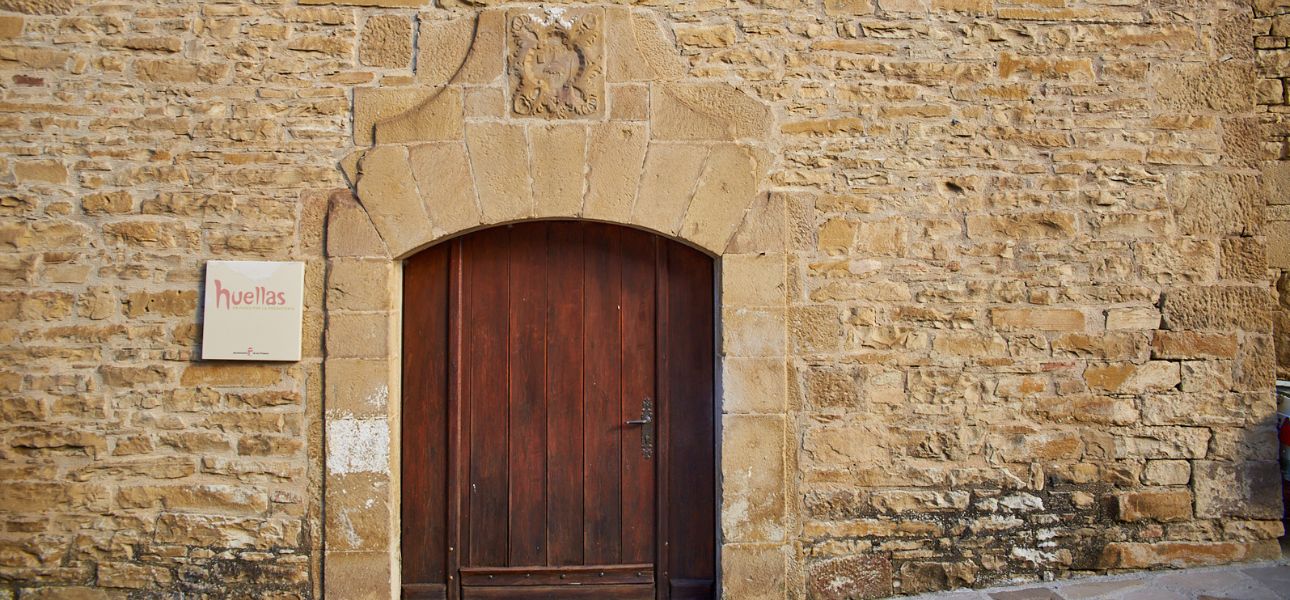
(1272,45)
(1028,313)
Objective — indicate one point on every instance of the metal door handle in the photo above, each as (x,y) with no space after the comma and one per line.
(647,427)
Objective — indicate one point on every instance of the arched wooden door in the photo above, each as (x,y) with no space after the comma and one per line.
(558,417)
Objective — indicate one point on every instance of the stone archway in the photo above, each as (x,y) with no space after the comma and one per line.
(605,126)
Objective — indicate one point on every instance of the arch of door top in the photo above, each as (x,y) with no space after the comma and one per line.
(473,140)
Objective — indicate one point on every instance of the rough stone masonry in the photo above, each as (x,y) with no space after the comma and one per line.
(1032,258)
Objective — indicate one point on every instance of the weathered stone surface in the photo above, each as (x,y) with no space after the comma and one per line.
(1217,308)
(851,577)
(667,185)
(392,199)
(1157,506)
(437,118)
(1218,204)
(615,154)
(1183,554)
(441,49)
(39,7)
(755,468)
(443,175)
(499,160)
(725,191)
(386,42)
(559,156)
(706,112)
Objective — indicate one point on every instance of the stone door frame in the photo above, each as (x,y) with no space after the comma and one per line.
(468,144)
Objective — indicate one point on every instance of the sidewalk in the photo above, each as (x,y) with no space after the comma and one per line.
(1251,581)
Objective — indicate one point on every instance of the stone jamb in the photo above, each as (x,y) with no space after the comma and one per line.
(446,155)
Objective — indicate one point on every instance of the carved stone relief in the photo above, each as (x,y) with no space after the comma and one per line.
(555,63)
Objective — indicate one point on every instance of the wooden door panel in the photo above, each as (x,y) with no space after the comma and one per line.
(487,258)
(602,412)
(638,388)
(527,348)
(526,441)
(564,349)
(552,592)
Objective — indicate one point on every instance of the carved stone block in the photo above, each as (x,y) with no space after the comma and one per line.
(555,62)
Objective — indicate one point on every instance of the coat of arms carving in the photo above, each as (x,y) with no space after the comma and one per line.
(555,63)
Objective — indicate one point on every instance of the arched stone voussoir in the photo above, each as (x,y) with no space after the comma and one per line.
(724,193)
(389,192)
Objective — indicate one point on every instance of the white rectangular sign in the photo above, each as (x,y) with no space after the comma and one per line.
(253,310)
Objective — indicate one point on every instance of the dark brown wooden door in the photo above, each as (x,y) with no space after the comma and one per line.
(558,437)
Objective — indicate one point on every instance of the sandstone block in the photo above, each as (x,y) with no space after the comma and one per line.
(372,105)
(1217,308)
(1217,204)
(753,280)
(1255,364)
(559,156)
(40,171)
(1043,319)
(1227,489)
(705,36)
(357,512)
(499,157)
(231,375)
(1245,262)
(111,203)
(652,46)
(484,102)
(1181,555)
(357,388)
(753,333)
(1166,507)
(667,185)
(754,468)
(716,112)
(754,385)
(615,154)
(349,231)
(437,118)
(815,329)
(442,48)
(629,102)
(1192,86)
(11,27)
(373,3)
(1133,318)
(848,7)
(850,578)
(1167,472)
(392,199)
(1042,225)
(933,576)
(170,303)
(359,575)
(38,7)
(443,175)
(765,227)
(227,532)
(755,571)
(725,191)
(386,42)
(358,285)
(361,335)
(1192,344)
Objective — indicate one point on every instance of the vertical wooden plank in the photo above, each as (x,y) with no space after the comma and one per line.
(458,419)
(690,383)
(488,270)
(564,345)
(602,410)
(425,410)
(638,318)
(663,455)
(527,441)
